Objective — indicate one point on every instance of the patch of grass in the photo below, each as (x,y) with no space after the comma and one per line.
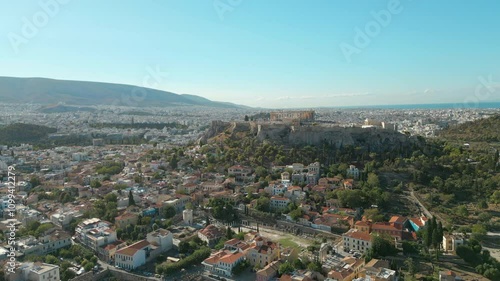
(287,242)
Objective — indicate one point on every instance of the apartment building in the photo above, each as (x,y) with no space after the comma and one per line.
(356,240)
(34,271)
(95,233)
(278,203)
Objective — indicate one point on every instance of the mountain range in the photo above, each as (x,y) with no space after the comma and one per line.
(82,93)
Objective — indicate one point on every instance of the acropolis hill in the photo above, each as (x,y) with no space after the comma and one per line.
(290,134)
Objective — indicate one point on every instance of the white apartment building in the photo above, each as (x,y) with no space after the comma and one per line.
(357,240)
(38,271)
(278,203)
(95,233)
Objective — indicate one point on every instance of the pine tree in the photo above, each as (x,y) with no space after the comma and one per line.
(428,235)
(440,232)
(131,201)
(435,238)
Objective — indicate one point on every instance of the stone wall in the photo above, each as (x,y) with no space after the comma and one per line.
(90,276)
(111,272)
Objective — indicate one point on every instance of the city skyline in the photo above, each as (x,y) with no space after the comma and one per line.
(273,55)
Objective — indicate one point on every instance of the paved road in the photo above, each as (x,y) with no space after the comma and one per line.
(422,207)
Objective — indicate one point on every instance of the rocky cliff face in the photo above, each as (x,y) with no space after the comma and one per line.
(376,139)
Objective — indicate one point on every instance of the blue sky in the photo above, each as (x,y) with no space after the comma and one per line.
(269,53)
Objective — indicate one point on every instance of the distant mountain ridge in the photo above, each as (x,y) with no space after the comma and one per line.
(83,93)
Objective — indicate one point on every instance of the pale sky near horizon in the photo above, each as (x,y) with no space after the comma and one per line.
(268,53)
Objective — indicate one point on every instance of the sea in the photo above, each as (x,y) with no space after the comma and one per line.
(482,105)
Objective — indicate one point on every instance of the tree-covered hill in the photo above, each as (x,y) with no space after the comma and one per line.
(483,130)
(24,133)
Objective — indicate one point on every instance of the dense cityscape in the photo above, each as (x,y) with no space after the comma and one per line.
(233,140)
(172,203)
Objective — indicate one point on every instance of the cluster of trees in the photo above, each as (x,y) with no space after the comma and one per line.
(483,130)
(364,197)
(473,254)
(168,212)
(58,195)
(223,210)
(105,208)
(34,228)
(195,258)
(190,245)
(109,168)
(433,235)
(229,235)
(382,245)
(131,233)
(289,267)
(18,133)
(248,150)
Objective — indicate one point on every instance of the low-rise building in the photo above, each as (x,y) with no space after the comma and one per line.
(448,275)
(452,241)
(241,173)
(223,262)
(262,252)
(356,240)
(353,172)
(268,272)
(126,219)
(161,238)
(211,235)
(34,271)
(133,256)
(278,203)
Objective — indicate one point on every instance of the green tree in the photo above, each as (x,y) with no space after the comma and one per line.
(296,214)
(95,183)
(131,201)
(184,247)
(34,181)
(435,238)
(262,204)
(482,204)
(174,161)
(298,264)
(462,211)
(410,267)
(168,211)
(479,231)
(314,266)
(495,197)
(286,268)
(229,233)
(382,245)
(372,180)
(440,232)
